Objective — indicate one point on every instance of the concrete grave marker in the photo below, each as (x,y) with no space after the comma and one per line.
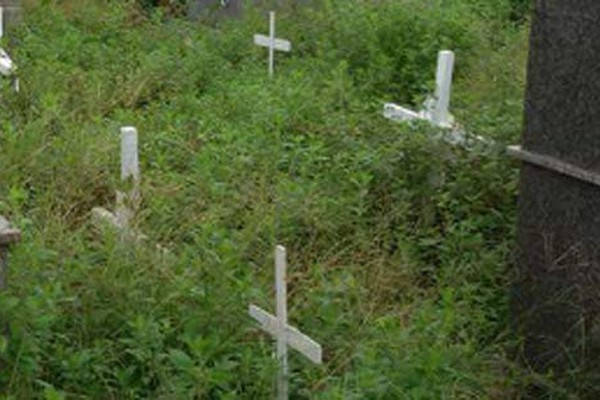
(555,293)
(214,8)
(277,326)
(436,107)
(272,43)
(130,174)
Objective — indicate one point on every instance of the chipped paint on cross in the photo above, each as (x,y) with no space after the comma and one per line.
(435,108)
(278,327)
(272,43)
(130,174)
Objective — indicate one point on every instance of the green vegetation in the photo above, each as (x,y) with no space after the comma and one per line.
(399,244)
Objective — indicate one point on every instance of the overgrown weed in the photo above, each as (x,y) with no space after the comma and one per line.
(399,244)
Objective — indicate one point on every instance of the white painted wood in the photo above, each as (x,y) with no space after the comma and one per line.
(436,107)
(443,85)
(129,153)
(130,169)
(103,216)
(281,299)
(398,113)
(7,67)
(278,327)
(272,43)
(278,44)
(1,22)
(295,339)
(126,203)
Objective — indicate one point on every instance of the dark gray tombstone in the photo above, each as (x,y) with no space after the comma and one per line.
(557,291)
(215,8)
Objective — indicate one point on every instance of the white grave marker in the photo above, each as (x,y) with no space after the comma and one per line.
(130,170)
(7,66)
(436,107)
(272,42)
(278,327)
(1,22)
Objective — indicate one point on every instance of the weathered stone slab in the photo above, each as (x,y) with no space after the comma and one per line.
(557,305)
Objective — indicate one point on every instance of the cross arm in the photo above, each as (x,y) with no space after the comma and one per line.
(278,44)
(296,339)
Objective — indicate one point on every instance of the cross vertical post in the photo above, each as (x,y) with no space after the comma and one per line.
(272,43)
(129,153)
(281,295)
(1,22)
(128,196)
(436,107)
(130,169)
(443,84)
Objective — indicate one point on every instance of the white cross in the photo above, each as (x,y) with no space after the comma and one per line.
(126,203)
(436,107)
(7,66)
(272,42)
(1,22)
(278,327)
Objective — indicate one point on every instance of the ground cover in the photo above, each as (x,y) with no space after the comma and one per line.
(399,244)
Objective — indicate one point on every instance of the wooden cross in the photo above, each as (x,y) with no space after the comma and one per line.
(272,42)
(436,107)
(130,170)
(1,22)
(278,327)
(7,66)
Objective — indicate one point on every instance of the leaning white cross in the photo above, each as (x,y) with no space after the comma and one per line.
(126,202)
(436,107)
(7,66)
(272,42)
(278,327)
